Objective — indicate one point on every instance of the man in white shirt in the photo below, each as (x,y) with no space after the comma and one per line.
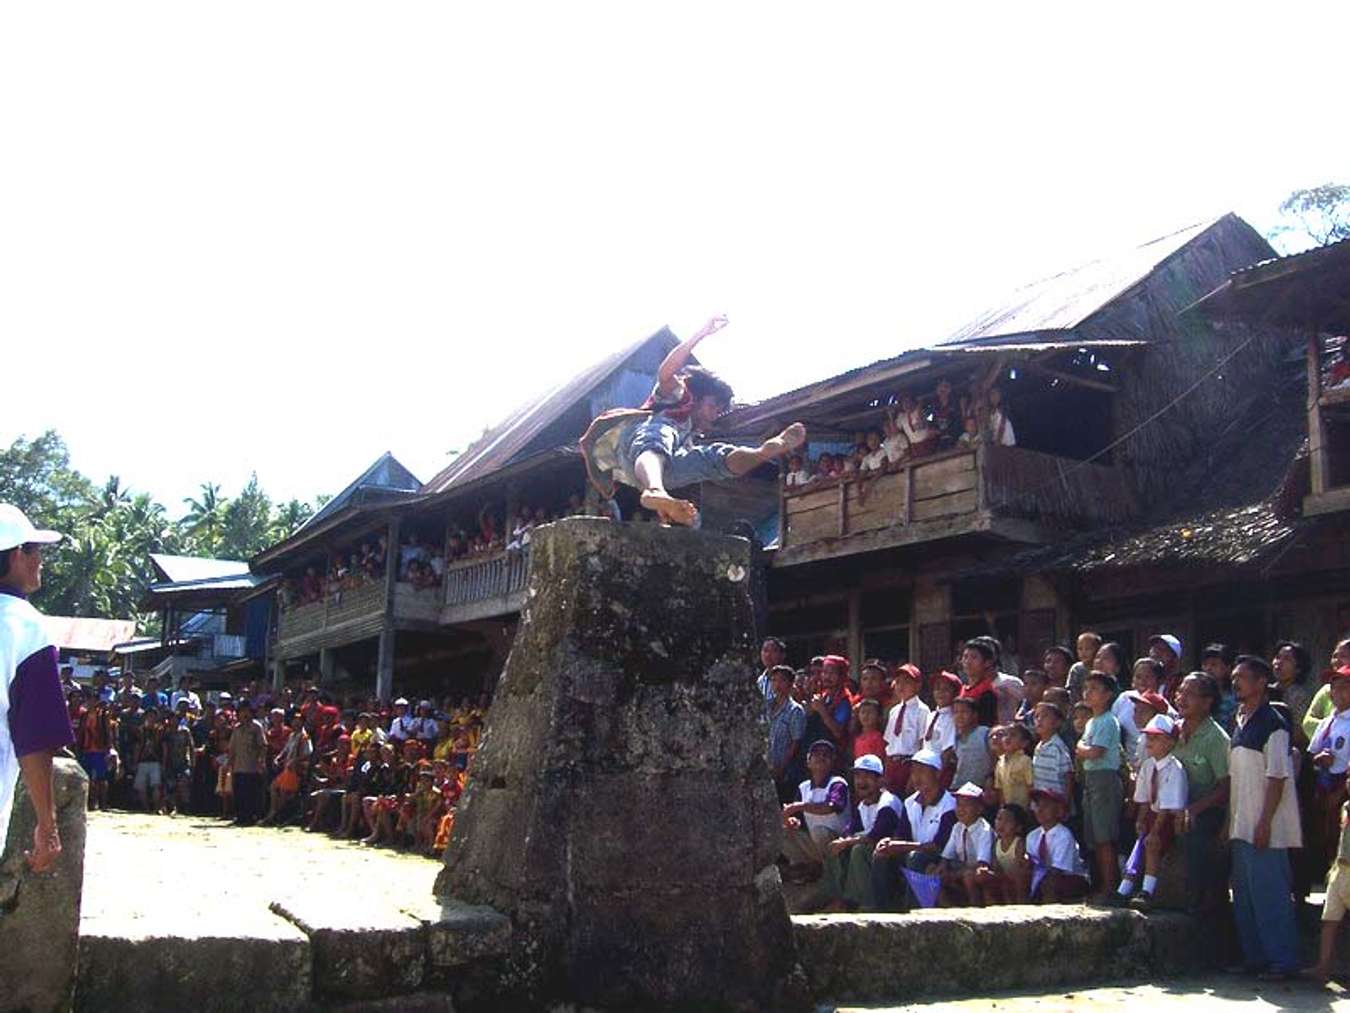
(1263,826)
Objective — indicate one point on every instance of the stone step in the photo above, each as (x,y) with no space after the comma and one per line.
(974,951)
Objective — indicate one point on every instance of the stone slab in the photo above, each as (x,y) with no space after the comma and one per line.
(358,950)
(460,934)
(973,951)
(267,970)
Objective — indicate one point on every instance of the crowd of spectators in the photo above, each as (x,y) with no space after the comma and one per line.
(385,774)
(914,429)
(1079,778)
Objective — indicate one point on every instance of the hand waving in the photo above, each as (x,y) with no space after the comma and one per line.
(713,325)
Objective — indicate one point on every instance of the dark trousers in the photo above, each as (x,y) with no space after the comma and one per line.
(1206,871)
(890,889)
(248,797)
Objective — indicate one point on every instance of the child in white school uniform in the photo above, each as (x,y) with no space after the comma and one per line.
(940,733)
(1058,871)
(1160,792)
(969,849)
(905,725)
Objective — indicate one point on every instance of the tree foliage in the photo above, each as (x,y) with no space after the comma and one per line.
(103,565)
(1323,212)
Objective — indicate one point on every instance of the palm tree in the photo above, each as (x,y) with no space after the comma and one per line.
(205,518)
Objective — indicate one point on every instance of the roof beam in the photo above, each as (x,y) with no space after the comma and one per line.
(1059,374)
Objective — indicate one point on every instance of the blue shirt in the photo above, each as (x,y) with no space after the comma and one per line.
(1103,730)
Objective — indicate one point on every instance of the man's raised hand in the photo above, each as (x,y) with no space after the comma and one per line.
(713,325)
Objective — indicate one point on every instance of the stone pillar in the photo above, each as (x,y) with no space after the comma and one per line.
(40,915)
(620,808)
(278,675)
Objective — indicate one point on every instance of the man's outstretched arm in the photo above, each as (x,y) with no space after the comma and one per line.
(679,355)
(39,724)
(36,769)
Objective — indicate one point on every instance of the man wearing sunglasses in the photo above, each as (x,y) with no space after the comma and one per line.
(34,722)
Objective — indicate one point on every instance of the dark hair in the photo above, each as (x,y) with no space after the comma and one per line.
(1154,665)
(868,701)
(1018,813)
(777,642)
(1221,651)
(4,560)
(1060,649)
(1104,679)
(1116,651)
(785,670)
(1208,686)
(987,646)
(1035,673)
(702,382)
(1259,664)
(1302,659)
(1017,728)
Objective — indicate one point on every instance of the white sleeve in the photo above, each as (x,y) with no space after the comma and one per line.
(984,845)
(1141,784)
(1278,761)
(1064,851)
(949,852)
(1318,742)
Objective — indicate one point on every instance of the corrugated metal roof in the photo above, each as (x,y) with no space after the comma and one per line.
(500,444)
(1064,301)
(232,582)
(97,636)
(386,474)
(172,569)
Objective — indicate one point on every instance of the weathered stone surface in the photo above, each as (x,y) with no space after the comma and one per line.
(40,915)
(621,812)
(267,970)
(358,951)
(877,957)
(460,934)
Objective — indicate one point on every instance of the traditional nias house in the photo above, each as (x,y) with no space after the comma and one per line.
(1109,396)
(418,586)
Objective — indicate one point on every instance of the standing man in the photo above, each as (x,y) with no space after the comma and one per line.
(1165,649)
(1263,826)
(1204,750)
(34,722)
(772,653)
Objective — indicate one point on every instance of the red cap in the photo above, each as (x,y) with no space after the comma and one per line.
(910,670)
(1049,793)
(1155,700)
(951,679)
(836,659)
(1341,673)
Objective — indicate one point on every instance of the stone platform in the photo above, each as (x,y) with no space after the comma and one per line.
(182,913)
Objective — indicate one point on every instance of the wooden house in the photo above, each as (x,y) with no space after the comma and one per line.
(1112,391)
(448,632)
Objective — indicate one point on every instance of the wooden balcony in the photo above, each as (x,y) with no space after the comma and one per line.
(486,587)
(1008,492)
(351,615)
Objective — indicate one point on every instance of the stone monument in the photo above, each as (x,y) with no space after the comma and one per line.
(40,914)
(620,810)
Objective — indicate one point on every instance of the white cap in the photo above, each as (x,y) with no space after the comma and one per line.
(927,758)
(969,790)
(16,529)
(401,702)
(869,763)
(1161,725)
(1168,641)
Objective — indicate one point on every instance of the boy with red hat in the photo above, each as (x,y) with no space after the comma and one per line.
(1059,873)
(905,726)
(831,709)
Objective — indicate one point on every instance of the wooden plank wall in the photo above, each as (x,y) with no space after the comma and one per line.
(1027,483)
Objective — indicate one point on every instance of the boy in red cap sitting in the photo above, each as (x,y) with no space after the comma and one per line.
(651,448)
(1058,871)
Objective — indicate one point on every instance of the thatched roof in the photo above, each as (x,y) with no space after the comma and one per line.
(1310,289)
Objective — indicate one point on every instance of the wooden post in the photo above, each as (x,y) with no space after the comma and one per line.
(384,665)
(278,675)
(908,474)
(855,637)
(1318,458)
(843,506)
(384,661)
(782,516)
(327,665)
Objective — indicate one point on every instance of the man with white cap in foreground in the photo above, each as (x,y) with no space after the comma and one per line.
(34,722)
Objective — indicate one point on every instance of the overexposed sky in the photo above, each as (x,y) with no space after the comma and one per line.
(286,237)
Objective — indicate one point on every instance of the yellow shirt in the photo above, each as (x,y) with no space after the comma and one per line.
(445,748)
(360,739)
(1013,778)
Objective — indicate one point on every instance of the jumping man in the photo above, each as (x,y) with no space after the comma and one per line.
(651,448)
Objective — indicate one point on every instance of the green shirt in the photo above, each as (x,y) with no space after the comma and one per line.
(1205,758)
(1317,710)
(1103,730)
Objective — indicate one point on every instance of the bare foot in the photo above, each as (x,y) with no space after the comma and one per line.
(785,442)
(668,508)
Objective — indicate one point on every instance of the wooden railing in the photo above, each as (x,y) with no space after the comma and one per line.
(356,603)
(1004,481)
(475,580)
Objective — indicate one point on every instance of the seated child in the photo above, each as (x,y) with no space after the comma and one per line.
(1162,797)
(970,432)
(913,422)
(798,476)
(827,467)
(1000,429)
(1145,707)
(895,444)
(1058,871)
(848,859)
(821,815)
(869,741)
(1013,775)
(940,733)
(969,850)
(1008,880)
(874,459)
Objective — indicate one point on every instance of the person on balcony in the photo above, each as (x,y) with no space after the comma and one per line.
(652,448)
(913,423)
(999,429)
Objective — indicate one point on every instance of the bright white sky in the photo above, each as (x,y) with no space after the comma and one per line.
(286,237)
